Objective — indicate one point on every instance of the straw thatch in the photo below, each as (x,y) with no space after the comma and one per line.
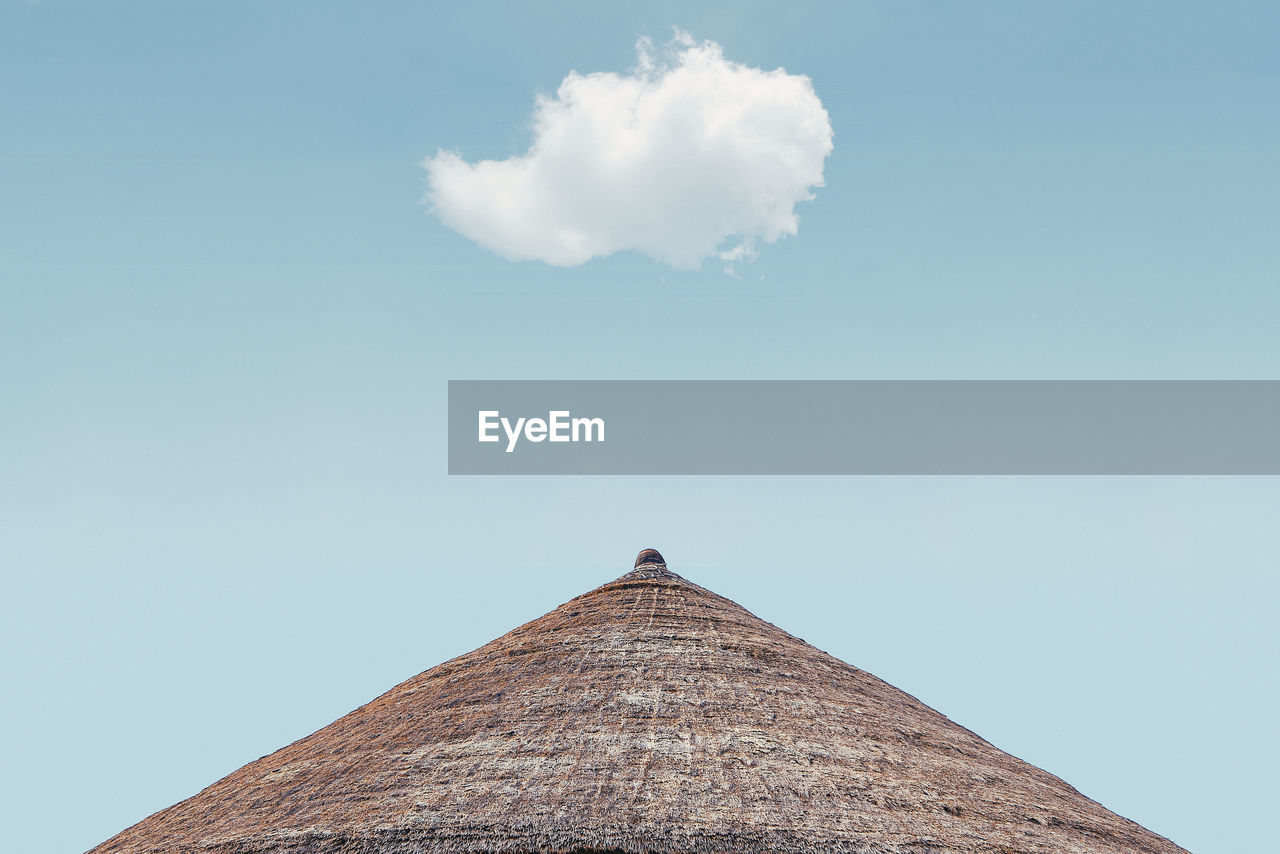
(649,715)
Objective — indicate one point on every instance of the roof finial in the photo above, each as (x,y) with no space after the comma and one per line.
(649,557)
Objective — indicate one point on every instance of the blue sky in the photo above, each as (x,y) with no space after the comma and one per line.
(227,320)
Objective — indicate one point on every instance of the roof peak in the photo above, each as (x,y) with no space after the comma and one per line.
(649,564)
(650,557)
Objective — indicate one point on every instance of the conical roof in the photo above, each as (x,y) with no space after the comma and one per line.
(648,715)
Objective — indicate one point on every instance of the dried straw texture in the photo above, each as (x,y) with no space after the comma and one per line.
(649,715)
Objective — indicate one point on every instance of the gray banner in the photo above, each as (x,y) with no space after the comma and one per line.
(864,427)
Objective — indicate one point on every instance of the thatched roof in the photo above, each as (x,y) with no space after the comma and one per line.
(649,715)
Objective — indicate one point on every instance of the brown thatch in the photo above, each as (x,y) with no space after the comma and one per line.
(649,715)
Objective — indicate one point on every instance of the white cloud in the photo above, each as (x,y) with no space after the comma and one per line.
(687,156)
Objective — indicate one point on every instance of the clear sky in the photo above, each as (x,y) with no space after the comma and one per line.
(227,321)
